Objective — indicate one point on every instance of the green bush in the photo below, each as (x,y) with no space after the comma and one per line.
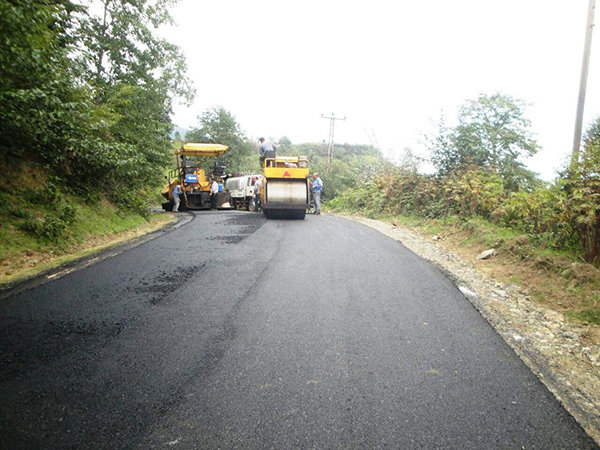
(561,215)
(53,225)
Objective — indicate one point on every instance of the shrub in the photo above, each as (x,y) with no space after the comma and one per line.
(53,225)
(582,186)
(473,192)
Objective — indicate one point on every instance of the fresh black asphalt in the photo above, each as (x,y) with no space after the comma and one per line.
(236,332)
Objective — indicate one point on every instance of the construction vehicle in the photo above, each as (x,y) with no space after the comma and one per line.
(195,186)
(241,190)
(285,187)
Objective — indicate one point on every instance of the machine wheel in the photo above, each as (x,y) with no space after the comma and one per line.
(167,206)
(285,214)
(299,214)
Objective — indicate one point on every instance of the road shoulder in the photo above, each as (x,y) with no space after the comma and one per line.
(55,268)
(544,339)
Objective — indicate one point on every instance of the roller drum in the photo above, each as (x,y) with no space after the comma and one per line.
(287,191)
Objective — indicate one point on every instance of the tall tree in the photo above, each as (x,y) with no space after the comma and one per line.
(135,76)
(217,125)
(89,93)
(40,108)
(121,47)
(492,132)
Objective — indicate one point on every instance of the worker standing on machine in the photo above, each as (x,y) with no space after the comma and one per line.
(266,149)
(214,190)
(256,183)
(175,197)
(317,187)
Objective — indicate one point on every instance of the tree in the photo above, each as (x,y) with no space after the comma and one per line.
(493,133)
(135,76)
(89,95)
(444,154)
(583,188)
(121,48)
(41,109)
(217,125)
(409,162)
(284,145)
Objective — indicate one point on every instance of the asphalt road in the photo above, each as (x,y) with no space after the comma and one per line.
(233,331)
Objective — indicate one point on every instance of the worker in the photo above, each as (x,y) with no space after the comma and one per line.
(214,190)
(317,187)
(267,150)
(175,197)
(256,183)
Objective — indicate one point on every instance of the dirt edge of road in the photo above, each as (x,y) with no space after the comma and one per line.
(550,345)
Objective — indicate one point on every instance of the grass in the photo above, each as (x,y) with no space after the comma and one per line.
(591,316)
(25,251)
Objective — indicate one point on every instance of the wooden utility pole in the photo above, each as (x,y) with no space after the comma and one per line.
(583,84)
(332,120)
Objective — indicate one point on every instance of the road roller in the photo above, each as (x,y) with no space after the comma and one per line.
(285,187)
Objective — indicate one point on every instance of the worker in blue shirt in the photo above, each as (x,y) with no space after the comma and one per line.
(175,197)
(317,187)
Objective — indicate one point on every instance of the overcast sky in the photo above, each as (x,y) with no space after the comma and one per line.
(390,67)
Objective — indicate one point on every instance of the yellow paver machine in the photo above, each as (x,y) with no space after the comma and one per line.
(285,187)
(195,186)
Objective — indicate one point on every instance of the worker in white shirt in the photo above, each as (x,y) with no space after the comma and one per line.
(214,190)
(256,183)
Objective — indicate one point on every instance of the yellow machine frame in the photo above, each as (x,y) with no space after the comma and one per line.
(289,174)
(195,193)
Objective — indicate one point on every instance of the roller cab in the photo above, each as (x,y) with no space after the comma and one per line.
(285,187)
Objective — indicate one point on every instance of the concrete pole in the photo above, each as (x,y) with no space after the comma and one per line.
(583,84)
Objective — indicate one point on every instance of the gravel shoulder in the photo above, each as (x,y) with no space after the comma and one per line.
(550,345)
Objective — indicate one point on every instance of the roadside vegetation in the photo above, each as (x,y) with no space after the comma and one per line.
(85,98)
(482,196)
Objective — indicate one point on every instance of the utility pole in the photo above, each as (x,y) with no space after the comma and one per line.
(332,120)
(583,84)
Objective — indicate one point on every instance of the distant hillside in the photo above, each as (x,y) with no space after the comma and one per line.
(350,163)
(177,129)
(340,151)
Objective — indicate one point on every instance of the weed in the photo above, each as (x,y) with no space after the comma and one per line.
(591,316)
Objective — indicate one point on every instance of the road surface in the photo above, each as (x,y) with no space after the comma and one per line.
(233,331)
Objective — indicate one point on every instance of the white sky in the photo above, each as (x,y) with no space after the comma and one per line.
(391,67)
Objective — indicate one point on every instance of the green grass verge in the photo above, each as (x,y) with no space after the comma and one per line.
(39,233)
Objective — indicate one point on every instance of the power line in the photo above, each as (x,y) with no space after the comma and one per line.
(332,120)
